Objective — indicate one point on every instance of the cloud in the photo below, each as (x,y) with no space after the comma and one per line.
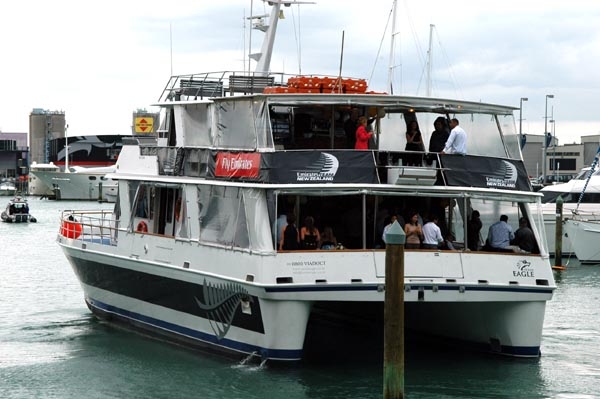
(100,62)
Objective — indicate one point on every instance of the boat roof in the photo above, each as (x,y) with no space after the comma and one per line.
(344,188)
(418,104)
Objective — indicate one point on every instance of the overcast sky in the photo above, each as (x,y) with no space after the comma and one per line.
(100,61)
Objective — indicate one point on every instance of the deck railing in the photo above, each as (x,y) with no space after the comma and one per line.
(90,226)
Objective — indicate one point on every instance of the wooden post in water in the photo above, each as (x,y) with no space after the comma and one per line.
(393,319)
(558,233)
(100,192)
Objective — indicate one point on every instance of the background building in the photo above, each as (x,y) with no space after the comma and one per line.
(44,126)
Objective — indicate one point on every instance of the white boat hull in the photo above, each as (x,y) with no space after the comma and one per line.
(549,210)
(585,236)
(79,186)
(479,298)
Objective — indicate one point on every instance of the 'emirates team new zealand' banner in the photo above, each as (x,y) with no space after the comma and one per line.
(473,171)
(313,167)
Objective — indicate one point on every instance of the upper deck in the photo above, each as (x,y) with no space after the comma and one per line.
(279,130)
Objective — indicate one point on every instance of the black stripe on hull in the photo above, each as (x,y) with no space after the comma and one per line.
(220,303)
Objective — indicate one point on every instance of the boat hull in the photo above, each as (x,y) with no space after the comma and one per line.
(585,236)
(201,309)
(79,186)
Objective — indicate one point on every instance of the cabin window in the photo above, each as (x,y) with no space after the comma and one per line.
(194,124)
(222,216)
(142,204)
(232,128)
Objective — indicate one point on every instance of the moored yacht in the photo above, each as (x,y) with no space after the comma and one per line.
(190,252)
(570,194)
(79,183)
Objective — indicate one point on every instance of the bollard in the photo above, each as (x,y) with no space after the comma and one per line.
(393,314)
(558,233)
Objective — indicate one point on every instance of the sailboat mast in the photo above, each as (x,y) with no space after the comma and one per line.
(392,48)
(429,59)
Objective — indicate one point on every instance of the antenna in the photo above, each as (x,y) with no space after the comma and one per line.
(341,62)
(264,57)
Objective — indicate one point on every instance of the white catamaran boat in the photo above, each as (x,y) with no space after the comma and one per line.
(190,253)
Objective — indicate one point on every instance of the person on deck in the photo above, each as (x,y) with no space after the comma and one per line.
(290,238)
(524,237)
(362,136)
(350,126)
(309,234)
(473,229)
(414,142)
(432,235)
(457,141)
(439,136)
(500,235)
(413,231)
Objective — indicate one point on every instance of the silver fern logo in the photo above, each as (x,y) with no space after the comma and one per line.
(505,176)
(221,301)
(324,169)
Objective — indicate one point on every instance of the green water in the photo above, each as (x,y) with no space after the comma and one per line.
(52,347)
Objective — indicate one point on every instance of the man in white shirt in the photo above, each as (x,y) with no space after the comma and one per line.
(432,235)
(457,141)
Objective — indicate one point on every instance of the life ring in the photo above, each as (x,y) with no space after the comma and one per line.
(142,227)
(178,209)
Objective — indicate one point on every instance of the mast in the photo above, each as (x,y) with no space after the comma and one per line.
(264,60)
(429,60)
(392,49)
(264,57)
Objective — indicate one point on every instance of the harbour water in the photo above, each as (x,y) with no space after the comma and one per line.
(52,347)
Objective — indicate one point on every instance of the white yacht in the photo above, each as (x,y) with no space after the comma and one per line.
(189,253)
(570,193)
(585,234)
(78,183)
(37,186)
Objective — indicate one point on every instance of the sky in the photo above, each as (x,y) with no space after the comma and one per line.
(100,61)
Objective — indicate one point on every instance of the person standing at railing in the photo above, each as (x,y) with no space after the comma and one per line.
(414,142)
(438,139)
(362,136)
(457,141)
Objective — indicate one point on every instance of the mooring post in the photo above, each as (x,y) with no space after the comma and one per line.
(558,232)
(393,314)
(100,192)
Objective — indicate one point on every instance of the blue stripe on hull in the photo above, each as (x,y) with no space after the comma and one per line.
(374,287)
(274,354)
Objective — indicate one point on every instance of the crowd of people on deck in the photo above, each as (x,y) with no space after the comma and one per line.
(427,232)
(447,138)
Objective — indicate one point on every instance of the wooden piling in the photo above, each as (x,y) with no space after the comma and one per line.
(393,331)
(558,234)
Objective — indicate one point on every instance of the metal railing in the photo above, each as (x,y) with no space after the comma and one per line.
(90,226)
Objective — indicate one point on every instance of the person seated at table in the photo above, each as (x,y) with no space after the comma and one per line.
(500,235)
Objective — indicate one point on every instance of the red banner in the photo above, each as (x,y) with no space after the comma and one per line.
(237,164)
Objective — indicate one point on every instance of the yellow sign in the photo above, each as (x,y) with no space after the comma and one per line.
(144,125)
